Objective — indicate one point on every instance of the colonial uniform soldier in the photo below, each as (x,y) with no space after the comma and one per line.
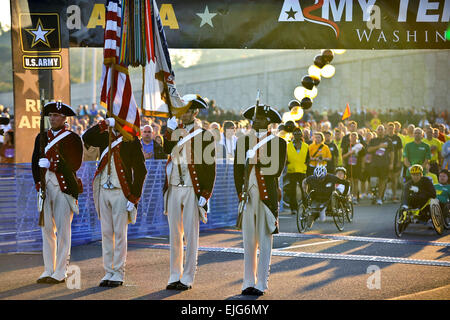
(116,194)
(63,157)
(267,156)
(190,177)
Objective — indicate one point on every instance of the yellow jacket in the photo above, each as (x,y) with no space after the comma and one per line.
(297,160)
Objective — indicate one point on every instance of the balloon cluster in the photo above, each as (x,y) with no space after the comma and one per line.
(321,68)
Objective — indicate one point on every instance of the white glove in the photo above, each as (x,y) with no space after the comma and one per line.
(44,163)
(201,202)
(111,122)
(172,123)
(250,154)
(130,206)
(405,207)
(414,189)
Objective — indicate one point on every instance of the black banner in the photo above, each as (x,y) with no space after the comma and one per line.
(274,24)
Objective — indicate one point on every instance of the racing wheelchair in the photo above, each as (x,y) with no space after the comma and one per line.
(309,211)
(431,209)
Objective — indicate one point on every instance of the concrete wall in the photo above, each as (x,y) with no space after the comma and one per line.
(373,79)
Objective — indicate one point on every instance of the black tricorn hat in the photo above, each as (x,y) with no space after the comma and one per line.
(267,111)
(4,120)
(58,107)
(195,101)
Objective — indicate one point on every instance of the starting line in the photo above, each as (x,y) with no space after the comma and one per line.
(332,256)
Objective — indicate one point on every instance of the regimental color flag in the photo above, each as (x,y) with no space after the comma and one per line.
(161,97)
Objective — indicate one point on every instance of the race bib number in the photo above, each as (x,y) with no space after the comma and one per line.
(380,152)
(352,160)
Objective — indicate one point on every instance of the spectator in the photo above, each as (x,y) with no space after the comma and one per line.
(446,155)
(331,165)
(229,138)
(147,142)
(220,150)
(397,146)
(435,149)
(159,150)
(441,135)
(382,160)
(353,158)
(352,127)
(416,152)
(319,153)
(338,141)
(7,149)
(366,167)
(297,160)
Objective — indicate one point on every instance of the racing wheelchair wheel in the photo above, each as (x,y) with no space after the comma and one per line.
(436,217)
(339,212)
(302,217)
(400,222)
(349,211)
(446,216)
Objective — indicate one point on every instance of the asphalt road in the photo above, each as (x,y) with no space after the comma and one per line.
(366,261)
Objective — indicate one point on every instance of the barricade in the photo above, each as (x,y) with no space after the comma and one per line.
(19,230)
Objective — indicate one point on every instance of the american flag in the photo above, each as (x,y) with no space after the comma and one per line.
(160,92)
(123,108)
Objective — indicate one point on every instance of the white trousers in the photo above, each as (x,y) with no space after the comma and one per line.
(56,233)
(256,235)
(183,216)
(114,225)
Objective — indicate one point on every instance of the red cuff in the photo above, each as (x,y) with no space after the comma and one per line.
(205,194)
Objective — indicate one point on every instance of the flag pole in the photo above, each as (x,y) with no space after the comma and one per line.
(110,114)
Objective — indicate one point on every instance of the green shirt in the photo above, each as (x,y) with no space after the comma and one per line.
(416,153)
(442,192)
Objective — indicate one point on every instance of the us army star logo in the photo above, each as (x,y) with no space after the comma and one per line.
(206,17)
(40,34)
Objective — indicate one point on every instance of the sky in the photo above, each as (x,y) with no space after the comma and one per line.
(5,12)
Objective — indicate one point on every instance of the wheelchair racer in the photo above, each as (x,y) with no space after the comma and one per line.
(341,173)
(323,185)
(417,192)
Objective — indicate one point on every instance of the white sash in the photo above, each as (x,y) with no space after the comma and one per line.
(188,137)
(113,145)
(260,144)
(57,139)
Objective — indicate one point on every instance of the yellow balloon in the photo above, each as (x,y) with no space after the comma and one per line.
(339,51)
(296,113)
(328,71)
(311,93)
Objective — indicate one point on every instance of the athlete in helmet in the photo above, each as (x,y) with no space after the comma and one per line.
(418,191)
(323,184)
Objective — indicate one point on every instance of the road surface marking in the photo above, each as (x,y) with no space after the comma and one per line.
(294,254)
(308,244)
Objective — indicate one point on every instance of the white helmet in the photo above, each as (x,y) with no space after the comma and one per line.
(320,172)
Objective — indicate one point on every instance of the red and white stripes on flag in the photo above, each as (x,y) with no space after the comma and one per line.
(111,47)
(124,108)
